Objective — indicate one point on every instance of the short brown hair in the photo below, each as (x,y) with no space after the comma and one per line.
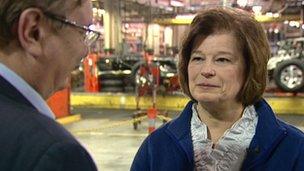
(10,11)
(250,37)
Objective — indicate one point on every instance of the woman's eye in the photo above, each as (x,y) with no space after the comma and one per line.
(196,58)
(223,60)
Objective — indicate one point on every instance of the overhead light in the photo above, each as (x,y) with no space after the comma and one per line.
(189,16)
(294,24)
(170,74)
(127,71)
(191,8)
(98,12)
(276,30)
(95,10)
(101,11)
(241,3)
(270,30)
(176,3)
(169,8)
(127,25)
(276,15)
(269,14)
(257,10)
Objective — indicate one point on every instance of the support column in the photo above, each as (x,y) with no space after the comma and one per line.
(168,36)
(153,37)
(302,19)
(178,34)
(112,24)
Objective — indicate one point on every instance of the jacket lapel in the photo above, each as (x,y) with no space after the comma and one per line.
(268,135)
(180,130)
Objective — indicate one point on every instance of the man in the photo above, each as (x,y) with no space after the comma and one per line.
(41,42)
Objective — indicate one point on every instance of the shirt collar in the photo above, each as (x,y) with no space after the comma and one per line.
(249,113)
(249,117)
(26,90)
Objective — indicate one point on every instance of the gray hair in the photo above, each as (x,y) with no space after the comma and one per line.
(10,11)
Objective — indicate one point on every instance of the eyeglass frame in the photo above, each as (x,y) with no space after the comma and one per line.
(74,24)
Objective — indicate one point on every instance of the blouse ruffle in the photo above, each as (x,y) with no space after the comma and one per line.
(230,150)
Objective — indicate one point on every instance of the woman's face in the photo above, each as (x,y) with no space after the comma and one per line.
(216,69)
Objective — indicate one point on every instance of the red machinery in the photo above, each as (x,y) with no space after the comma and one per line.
(147,83)
(91,82)
(60,103)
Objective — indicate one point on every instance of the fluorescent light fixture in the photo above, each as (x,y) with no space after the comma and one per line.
(170,75)
(257,9)
(127,71)
(189,16)
(101,11)
(269,14)
(95,10)
(241,3)
(276,30)
(176,3)
(276,15)
(98,12)
(294,24)
(169,8)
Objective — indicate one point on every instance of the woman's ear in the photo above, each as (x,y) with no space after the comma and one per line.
(30,31)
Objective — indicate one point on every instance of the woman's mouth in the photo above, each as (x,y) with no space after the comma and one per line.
(207,85)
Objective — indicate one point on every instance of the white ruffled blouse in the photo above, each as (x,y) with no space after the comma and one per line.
(230,150)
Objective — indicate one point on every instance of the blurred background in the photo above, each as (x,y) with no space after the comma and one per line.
(128,84)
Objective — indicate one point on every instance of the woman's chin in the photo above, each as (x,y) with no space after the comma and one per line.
(208,99)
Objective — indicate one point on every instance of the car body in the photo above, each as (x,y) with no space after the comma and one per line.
(124,73)
(286,68)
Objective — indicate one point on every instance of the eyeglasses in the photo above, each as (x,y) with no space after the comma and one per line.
(90,35)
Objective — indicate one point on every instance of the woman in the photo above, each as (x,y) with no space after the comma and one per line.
(227,125)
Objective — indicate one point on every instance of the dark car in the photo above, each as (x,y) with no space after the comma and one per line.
(124,73)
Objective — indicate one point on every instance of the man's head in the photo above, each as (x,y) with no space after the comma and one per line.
(10,11)
(43,40)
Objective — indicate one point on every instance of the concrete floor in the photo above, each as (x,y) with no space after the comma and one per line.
(111,140)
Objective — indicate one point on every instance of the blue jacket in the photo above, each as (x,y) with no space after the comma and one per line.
(275,146)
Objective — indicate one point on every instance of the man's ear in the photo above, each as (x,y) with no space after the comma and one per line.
(30,31)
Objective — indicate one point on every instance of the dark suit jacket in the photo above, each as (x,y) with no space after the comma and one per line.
(32,141)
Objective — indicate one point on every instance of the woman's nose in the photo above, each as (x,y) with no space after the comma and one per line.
(207,71)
